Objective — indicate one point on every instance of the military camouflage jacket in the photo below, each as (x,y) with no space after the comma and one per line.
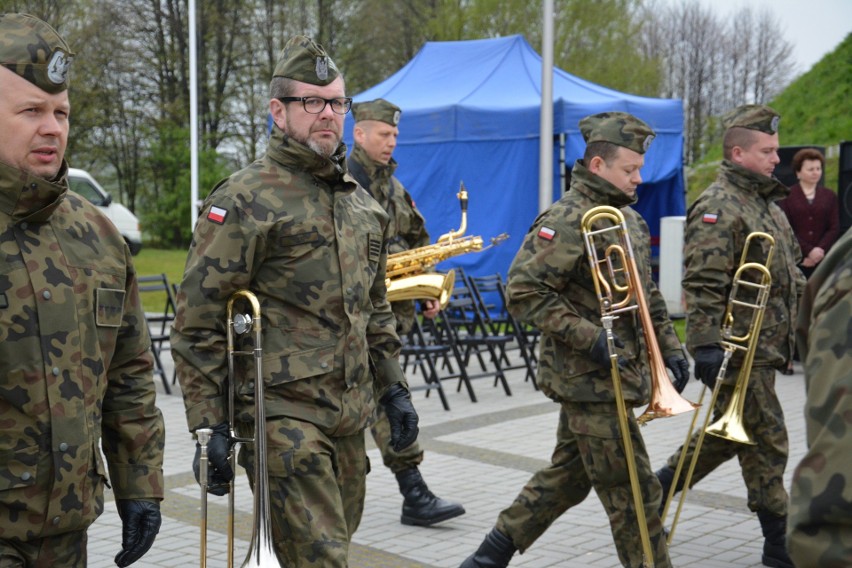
(550,286)
(75,365)
(407,226)
(820,522)
(738,203)
(310,243)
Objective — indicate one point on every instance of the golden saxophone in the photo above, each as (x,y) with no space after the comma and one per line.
(406,277)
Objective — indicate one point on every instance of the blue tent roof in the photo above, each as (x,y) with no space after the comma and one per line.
(471,113)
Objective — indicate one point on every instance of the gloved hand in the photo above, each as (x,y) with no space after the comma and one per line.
(708,361)
(680,369)
(140,522)
(401,415)
(599,353)
(219,472)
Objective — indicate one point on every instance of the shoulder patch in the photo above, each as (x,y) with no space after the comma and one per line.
(546,233)
(217,215)
(710,218)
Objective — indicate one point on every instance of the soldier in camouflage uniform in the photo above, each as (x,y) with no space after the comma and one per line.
(820,528)
(551,286)
(310,243)
(372,165)
(739,202)
(75,366)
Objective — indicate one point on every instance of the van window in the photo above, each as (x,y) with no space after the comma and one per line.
(86,189)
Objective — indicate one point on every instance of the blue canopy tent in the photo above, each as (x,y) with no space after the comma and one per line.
(471,112)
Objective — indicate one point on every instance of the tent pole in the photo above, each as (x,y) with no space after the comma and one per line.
(545,160)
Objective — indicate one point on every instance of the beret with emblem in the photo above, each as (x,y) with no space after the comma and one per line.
(302,59)
(617,128)
(753,117)
(33,50)
(379,109)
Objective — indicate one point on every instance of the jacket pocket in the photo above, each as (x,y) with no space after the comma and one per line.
(299,365)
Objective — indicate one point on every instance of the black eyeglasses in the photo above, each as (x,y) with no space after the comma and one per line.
(315,105)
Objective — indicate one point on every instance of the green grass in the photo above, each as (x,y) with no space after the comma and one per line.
(158,261)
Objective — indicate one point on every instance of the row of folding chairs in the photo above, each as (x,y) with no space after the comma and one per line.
(473,337)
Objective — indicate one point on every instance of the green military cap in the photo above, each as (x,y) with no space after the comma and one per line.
(753,117)
(379,109)
(305,60)
(617,128)
(33,50)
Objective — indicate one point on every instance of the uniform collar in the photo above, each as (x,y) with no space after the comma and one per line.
(26,197)
(376,171)
(597,188)
(295,155)
(766,187)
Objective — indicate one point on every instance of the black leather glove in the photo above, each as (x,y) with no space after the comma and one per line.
(680,369)
(708,361)
(599,352)
(140,521)
(219,472)
(401,415)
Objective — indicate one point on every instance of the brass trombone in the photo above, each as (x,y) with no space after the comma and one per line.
(730,425)
(620,290)
(261,552)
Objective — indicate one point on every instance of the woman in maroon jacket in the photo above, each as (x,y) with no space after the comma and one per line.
(813,213)
(811,209)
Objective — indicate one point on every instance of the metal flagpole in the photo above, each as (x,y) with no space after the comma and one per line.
(545,147)
(193,118)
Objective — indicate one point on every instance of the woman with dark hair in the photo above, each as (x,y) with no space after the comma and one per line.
(813,213)
(812,209)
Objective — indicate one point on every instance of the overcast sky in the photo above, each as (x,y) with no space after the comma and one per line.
(814,27)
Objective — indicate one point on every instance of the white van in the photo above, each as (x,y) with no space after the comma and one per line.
(83,183)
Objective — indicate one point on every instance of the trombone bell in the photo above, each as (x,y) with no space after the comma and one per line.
(730,425)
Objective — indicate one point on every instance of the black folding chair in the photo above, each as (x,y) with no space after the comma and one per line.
(159,322)
(490,295)
(464,328)
(423,355)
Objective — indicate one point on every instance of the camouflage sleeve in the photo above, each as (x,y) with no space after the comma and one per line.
(381,331)
(710,253)
(133,429)
(820,522)
(416,235)
(539,283)
(220,262)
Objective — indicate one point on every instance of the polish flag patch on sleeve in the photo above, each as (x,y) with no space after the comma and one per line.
(217,215)
(546,233)
(710,218)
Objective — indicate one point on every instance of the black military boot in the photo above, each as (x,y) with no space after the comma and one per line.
(421,507)
(774,532)
(494,552)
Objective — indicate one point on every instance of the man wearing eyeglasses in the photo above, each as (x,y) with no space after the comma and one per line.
(311,245)
(371,163)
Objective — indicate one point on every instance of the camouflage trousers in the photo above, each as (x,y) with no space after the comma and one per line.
(762,464)
(317,485)
(409,457)
(589,454)
(60,551)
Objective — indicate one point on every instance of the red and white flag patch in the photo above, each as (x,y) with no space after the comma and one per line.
(710,218)
(217,215)
(546,233)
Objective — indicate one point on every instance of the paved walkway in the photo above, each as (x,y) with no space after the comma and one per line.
(479,454)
